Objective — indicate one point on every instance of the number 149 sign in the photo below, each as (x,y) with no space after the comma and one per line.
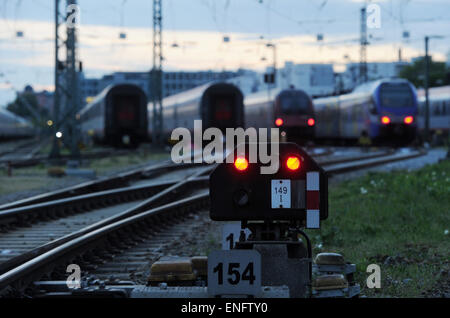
(234,272)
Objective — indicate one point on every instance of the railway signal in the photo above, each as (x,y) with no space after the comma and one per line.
(240,193)
(274,208)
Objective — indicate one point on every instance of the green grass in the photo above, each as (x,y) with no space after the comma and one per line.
(108,164)
(398,220)
(33,178)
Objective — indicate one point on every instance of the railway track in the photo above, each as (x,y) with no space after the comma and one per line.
(346,165)
(23,155)
(20,151)
(124,238)
(49,221)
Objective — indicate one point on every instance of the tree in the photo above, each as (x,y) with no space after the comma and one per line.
(415,73)
(26,105)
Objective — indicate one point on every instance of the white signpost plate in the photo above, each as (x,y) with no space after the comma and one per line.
(281,194)
(234,272)
(230,234)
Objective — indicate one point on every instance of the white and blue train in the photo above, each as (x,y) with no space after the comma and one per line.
(383,110)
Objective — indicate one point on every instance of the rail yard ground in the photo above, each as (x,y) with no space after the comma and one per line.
(395,215)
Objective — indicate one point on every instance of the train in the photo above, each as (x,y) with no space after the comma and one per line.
(14,127)
(217,104)
(439,112)
(384,111)
(117,116)
(291,110)
(222,105)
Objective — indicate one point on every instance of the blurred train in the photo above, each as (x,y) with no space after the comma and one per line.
(14,127)
(218,105)
(291,110)
(439,101)
(383,110)
(117,116)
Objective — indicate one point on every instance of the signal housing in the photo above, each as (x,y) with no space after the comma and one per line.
(247,195)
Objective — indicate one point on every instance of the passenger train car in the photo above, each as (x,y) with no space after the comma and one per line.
(291,110)
(383,110)
(218,105)
(117,116)
(14,127)
(439,101)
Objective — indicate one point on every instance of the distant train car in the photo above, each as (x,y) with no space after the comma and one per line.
(383,110)
(291,110)
(14,127)
(439,101)
(117,116)
(218,105)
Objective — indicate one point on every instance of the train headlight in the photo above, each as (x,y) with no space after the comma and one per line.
(385,120)
(408,120)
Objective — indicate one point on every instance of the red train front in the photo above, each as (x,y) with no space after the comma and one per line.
(294,115)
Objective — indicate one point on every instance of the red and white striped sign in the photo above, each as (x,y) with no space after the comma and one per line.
(312,200)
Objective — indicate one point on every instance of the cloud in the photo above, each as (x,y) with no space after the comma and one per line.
(5,86)
(102,51)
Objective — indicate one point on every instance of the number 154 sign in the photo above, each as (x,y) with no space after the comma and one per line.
(235,272)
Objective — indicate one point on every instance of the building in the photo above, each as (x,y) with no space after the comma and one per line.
(350,77)
(248,81)
(315,79)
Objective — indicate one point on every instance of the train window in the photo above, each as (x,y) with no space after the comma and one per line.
(436,108)
(222,106)
(126,110)
(294,103)
(396,95)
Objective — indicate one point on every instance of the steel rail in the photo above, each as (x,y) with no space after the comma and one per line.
(354,158)
(366,163)
(20,277)
(119,180)
(81,203)
(162,197)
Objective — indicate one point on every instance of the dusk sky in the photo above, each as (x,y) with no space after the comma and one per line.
(199,26)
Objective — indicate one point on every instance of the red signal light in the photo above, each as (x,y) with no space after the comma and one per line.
(241,163)
(311,122)
(279,122)
(385,120)
(293,163)
(408,120)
